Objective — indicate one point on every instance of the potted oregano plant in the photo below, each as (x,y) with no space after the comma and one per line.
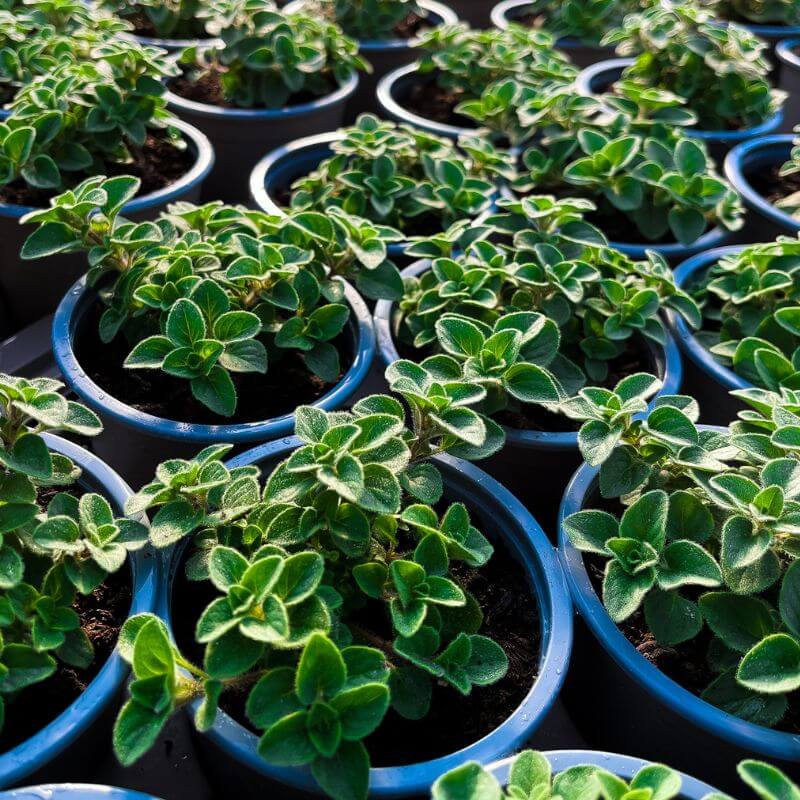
(687,535)
(105,115)
(171,24)
(764,172)
(351,598)
(654,186)
(578,25)
(386,31)
(720,72)
(573,774)
(466,79)
(750,333)
(592,317)
(212,324)
(73,570)
(271,76)
(414,181)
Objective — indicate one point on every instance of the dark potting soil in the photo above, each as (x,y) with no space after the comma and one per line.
(773,186)
(142,26)
(287,384)
(454,721)
(411,26)
(102,614)
(207,88)
(685,663)
(429,100)
(158,163)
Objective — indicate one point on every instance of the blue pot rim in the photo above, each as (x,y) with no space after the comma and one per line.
(339,95)
(74,791)
(772,123)
(763,741)
(735,169)
(535,440)
(438,13)
(784,50)
(500,19)
(34,753)
(687,341)
(623,766)
(555,612)
(390,106)
(771,31)
(196,175)
(78,300)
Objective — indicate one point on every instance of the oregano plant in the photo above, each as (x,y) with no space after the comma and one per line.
(702,540)
(208,293)
(56,540)
(163,19)
(352,527)
(367,20)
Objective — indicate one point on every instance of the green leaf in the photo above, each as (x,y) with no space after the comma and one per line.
(672,619)
(321,671)
(185,324)
(740,621)
(49,239)
(216,391)
(345,776)
(772,666)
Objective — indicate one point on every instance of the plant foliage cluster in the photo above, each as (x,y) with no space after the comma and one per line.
(719,71)
(267,58)
(759,12)
(707,540)
(169,19)
(367,20)
(57,539)
(404,177)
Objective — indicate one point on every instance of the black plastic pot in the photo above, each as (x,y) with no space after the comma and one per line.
(752,159)
(599,77)
(241,136)
(32,289)
(626,704)
(229,751)
(387,54)
(135,442)
(79,738)
(788,54)
(534,465)
(582,54)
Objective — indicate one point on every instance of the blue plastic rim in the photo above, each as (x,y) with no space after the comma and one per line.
(392,84)
(758,154)
(35,753)
(624,767)
(670,364)
(204,161)
(80,299)
(529,544)
(597,77)
(339,95)
(764,742)
(687,273)
(785,51)
(73,791)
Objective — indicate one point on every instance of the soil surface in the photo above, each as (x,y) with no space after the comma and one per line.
(773,186)
(207,88)
(102,614)
(429,100)
(287,384)
(511,619)
(158,163)
(142,26)
(412,25)
(685,663)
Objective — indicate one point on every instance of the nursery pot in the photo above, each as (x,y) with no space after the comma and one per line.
(581,53)
(387,54)
(135,442)
(77,740)
(534,465)
(394,90)
(242,135)
(229,750)
(598,78)
(628,705)
(705,379)
(788,54)
(624,767)
(74,791)
(33,289)
(751,161)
